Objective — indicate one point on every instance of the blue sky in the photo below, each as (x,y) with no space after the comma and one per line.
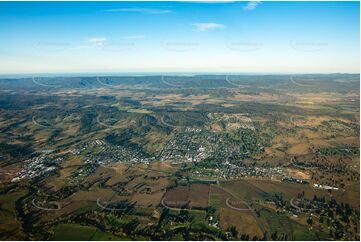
(289,37)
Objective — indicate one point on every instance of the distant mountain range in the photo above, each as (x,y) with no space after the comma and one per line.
(182,81)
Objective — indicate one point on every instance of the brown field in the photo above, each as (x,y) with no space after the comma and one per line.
(216,127)
(220,196)
(117,198)
(120,174)
(299,149)
(256,189)
(8,173)
(244,221)
(319,142)
(166,99)
(68,166)
(244,189)
(177,196)
(272,152)
(147,199)
(289,190)
(290,140)
(227,105)
(315,120)
(74,161)
(266,97)
(54,183)
(351,195)
(103,194)
(162,167)
(235,203)
(151,182)
(347,140)
(310,134)
(67,209)
(299,174)
(196,195)
(145,185)
(101,173)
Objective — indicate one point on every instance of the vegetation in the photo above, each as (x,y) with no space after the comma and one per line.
(200,160)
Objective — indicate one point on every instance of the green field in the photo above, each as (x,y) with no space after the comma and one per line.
(99,235)
(70,232)
(10,226)
(284,225)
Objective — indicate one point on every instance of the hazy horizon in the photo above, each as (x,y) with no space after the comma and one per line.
(94,74)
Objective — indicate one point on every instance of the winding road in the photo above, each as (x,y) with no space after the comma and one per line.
(47,209)
(239,209)
(41,125)
(106,208)
(301,209)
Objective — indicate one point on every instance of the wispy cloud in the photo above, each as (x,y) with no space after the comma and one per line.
(252,5)
(140,10)
(201,27)
(140,36)
(97,41)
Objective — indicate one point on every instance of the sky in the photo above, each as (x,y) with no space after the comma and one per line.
(229,37)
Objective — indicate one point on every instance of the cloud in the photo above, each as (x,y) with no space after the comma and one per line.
(252,5)
(201,27)
(140,10)
(97,41)
(140,36)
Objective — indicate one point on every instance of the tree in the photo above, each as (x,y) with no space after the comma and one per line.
(234,231)
(274,236)
(243,237)
(130,227)
(309,221)
(184,215)
(210,211)
(163,216)
(265,236)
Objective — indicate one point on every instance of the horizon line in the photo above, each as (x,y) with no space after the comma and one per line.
(156,73)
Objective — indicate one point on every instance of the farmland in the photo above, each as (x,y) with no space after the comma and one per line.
(251,158)
(192,196)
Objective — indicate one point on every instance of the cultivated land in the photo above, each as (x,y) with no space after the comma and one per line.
(191,158)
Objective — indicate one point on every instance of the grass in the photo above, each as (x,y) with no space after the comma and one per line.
(198,214)
(283,225)
(69,232)
(143,211)
(201,226)
(10,226)
(102,236)
(76,232)
(262,189)
(177,237)
(247,191)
